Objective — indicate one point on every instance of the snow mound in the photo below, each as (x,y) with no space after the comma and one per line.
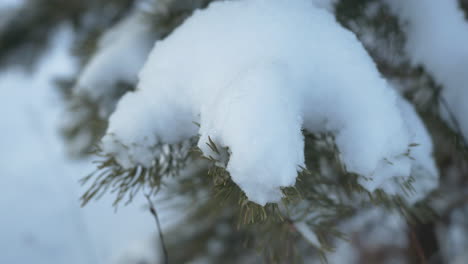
(253,74)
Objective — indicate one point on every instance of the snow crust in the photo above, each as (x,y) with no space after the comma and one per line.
(437,39)
(253,74)
(121,53)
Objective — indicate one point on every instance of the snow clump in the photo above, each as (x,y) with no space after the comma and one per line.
(253,74)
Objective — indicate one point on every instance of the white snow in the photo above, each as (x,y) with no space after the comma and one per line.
(437,38)
(423,167)
(120,55)
(253,74)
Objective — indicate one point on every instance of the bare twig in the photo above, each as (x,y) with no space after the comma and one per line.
(453,119)
(158,225)
(417,246)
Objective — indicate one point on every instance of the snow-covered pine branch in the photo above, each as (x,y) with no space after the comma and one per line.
(253,74)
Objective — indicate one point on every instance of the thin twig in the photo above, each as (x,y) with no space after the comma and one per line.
(417,246)
(452,118)
(158,225)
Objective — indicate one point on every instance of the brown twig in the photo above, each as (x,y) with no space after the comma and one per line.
(453,119)
(417,246)
(158,225)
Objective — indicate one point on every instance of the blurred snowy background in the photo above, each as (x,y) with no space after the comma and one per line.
(41,220)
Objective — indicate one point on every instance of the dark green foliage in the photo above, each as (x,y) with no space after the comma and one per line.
(464,6)
(27,32)
(351,9)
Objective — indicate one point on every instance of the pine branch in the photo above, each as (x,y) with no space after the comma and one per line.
(127,182)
